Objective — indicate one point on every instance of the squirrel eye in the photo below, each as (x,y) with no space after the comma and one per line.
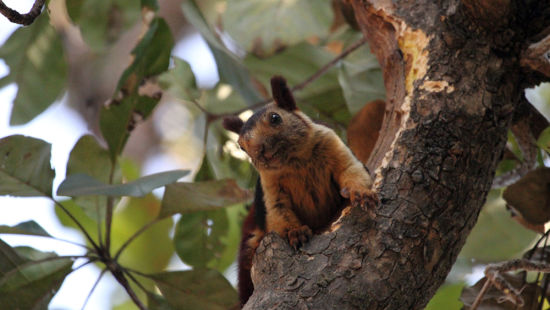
(275,119)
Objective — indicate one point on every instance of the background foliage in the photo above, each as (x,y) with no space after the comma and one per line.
(104,196)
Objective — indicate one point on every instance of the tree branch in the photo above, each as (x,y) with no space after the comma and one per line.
(537,56)
(22,19)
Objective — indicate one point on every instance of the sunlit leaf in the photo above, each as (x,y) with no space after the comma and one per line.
(151,57)
(230,68)
(25,228)
(447,297)
(495,227)
(157,302)
(153,249)
(25,168)
(201,196)
(263,27)
(197,289)
(180,81)
(197,238)
(25,281)
(544,140)
(84,185)
(37,65)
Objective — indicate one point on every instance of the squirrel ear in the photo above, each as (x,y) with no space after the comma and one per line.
(233,123)
(282,94)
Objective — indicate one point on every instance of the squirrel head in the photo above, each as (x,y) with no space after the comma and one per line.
(276,133)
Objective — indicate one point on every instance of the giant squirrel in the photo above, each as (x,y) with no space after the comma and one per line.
(307,174)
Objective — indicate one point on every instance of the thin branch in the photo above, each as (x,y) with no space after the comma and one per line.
(134,236)
(329,65)
(131,276)
(119,276)
(479,297)
(93,288)
(22,19)
(298,87)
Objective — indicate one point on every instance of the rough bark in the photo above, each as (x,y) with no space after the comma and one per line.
(453,81)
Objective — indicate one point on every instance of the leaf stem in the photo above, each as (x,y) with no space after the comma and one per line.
(119,276)
(109,211)
(93,288)
(84,231)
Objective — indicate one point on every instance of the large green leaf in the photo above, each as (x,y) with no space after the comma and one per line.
(198,237)
(25,281)
(151,57)
(25,168)
(230,68)
(495,227)
(25,228)
(84,185)
(88,157)
(101,21)
(361,79)
(197,289)
(262,27)
(37,64)
(201,196)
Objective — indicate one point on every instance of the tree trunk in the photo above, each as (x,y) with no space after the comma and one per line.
(453,82)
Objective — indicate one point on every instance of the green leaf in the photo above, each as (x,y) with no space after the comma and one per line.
(197,289)
(102,21)
(152,250)
(361,79)
(180,81)
(157,302)
(151,57)
(230,68)
(25,168)
(495,227)
(263,27)
(88,157)
(28,284)
(36,60)
(544,140)
(447,297)
(201,196)
(150,4)
(25,228)
(197,238)
(83,185)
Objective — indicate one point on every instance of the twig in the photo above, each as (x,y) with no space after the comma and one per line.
(119,276)
(298,87)
(22,19)
(493,274)
(93,288)
(131,276)
(109,211)
(326,67)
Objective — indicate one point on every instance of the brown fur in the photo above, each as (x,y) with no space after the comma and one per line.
(304,167)
(364,128)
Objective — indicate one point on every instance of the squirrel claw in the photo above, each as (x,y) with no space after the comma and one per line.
(363,199)
(299,236)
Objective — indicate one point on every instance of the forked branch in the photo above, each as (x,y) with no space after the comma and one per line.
(22,19)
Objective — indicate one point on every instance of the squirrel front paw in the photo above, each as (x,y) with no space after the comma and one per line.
(365,198)
(298,236)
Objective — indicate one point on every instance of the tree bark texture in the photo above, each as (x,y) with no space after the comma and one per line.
(453,81)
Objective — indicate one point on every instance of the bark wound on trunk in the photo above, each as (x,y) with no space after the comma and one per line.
(451,91)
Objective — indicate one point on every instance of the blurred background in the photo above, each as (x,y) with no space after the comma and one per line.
(97,43)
